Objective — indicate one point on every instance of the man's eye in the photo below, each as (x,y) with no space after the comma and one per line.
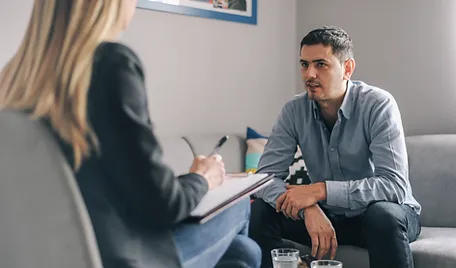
(321,64)
(304,64)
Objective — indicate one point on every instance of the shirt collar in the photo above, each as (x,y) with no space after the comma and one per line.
(347,104)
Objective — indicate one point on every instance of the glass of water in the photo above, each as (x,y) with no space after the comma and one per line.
(326,264)
(285,257)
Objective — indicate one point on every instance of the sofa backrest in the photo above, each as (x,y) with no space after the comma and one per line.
(43,219)
(177,154)
(432,164)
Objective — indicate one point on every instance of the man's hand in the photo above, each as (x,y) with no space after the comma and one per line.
(298,197)
(321,232)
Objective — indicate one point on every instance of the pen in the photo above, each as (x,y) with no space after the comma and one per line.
(219,145)
(216,150)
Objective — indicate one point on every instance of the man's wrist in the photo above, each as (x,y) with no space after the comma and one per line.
(322,194)
(306,210)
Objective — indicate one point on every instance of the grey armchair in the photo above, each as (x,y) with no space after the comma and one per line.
(43,219)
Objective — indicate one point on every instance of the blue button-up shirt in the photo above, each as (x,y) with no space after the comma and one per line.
(362,160)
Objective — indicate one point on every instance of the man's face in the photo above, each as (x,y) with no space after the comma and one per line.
(321,72)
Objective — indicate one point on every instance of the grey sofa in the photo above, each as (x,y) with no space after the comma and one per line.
(432,163)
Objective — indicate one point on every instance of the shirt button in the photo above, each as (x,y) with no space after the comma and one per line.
(332,149)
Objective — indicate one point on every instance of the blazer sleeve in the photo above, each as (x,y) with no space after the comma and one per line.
(131,152)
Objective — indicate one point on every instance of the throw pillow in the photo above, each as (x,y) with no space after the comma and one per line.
(255,147)
(298,170)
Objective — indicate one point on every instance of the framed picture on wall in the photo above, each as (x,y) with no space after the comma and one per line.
(242,11)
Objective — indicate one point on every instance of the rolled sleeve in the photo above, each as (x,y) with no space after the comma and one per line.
(278,155)
(270,193)
(337,194)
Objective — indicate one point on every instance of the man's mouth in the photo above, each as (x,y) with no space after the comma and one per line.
(312,85)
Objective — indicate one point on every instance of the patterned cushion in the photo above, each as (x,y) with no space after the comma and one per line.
(255,147)
(298,170)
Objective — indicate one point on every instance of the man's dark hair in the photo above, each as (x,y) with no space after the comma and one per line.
(336,38)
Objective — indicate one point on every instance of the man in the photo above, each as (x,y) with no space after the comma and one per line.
(352,140)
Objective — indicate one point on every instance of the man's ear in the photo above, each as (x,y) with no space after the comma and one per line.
(349,68)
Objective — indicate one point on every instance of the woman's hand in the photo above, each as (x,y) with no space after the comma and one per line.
(211,168)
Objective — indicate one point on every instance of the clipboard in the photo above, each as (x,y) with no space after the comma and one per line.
(233,189)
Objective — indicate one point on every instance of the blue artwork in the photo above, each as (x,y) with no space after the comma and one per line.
(242,11)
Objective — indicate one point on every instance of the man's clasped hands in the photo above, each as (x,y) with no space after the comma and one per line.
(319,227)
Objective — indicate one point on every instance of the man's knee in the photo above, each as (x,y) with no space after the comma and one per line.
(261,214)
(260,211)
(384,219)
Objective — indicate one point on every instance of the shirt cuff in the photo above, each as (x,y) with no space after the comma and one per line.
(337,194)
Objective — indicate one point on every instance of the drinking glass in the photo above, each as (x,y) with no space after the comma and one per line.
(285,257)
(325,264)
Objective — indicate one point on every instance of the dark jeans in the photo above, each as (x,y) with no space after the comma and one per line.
(385,229)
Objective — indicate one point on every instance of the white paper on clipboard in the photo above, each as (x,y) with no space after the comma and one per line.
(231,188)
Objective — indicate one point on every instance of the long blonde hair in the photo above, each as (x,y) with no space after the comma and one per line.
(51,71)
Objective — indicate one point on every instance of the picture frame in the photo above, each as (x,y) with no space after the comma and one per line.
(241,11)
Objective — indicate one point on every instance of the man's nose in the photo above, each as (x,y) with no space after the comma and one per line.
(309,72)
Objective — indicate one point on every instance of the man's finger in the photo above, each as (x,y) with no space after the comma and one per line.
(323,247)
(285,210)
(285,204)
(334,246)
(289,209)
(289,186)
(295,213)
(279,201)
(314,244)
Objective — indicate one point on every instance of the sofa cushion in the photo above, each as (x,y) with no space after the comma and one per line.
(354,257)
(436,247)
(433,177)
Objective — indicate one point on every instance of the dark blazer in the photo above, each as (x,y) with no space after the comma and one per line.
(133,198)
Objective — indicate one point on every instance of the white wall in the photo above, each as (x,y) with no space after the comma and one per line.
(214,76)
(203,75)
(408,47)
(14,16)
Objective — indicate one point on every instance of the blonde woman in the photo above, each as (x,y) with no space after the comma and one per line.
(70,73)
